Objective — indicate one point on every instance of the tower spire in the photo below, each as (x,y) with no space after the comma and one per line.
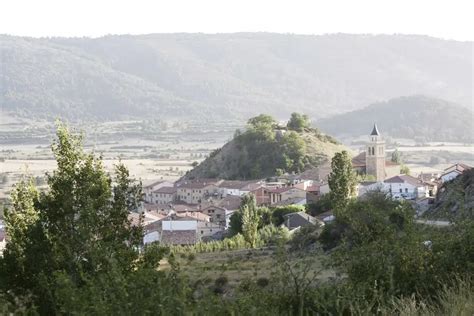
(375,131)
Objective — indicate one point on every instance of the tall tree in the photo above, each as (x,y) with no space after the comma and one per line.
(250,219)
(342,179)
(77,228)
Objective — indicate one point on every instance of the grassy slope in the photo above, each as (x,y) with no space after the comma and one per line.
(237,265)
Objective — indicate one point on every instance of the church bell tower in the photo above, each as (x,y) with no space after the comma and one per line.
(375,155)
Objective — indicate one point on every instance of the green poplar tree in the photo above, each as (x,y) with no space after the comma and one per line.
(342,180)
(250,219)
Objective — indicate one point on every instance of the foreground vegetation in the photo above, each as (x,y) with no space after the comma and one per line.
(72,250)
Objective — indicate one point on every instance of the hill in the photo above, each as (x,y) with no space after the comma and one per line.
(204,77)
(407,117)
(266,149)
(455,200)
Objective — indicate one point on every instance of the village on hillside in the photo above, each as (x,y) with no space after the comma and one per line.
(189,211)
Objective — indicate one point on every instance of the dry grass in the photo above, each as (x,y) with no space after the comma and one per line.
(237,265)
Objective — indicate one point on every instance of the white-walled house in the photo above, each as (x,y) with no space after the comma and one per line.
(236,188)
(149,188)
(405,186)
(164,195)
(453,172)
(196,192)
(208,229)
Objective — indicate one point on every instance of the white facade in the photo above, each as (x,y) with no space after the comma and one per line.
(228,191)
(179,225)
(147,190)
(195,195)
(399,187)
(449,176)
(151,237)
(163,197)
(207,229)
(405,190)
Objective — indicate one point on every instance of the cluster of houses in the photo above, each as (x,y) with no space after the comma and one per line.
(189,211)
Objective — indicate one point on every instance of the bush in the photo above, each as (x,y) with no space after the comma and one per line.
(263,282)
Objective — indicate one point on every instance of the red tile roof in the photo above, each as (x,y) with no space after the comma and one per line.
(230,202)
(403,178)
(194,185)
(166,190)
(192,215)
(359,160)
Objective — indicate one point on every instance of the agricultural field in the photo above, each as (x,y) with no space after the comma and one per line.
(236,266)
(148,151)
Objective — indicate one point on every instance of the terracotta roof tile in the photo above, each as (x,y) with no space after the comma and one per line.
(178,237)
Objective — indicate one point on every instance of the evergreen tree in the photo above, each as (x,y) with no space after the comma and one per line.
(342,179)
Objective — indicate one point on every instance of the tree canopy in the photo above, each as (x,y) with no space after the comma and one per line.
(298,122)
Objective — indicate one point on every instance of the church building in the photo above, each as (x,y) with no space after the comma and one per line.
(372,162)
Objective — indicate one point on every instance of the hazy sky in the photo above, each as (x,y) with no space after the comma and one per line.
(450,19)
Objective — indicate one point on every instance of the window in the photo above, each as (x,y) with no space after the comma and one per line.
(406,190)
(401,191)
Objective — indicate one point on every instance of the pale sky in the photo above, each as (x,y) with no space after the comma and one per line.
(449,19)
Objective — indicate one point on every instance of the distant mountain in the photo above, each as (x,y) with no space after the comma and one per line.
(407,117)
(233,76)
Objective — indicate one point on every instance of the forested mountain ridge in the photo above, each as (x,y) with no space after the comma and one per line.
(200,76)
(412,117)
